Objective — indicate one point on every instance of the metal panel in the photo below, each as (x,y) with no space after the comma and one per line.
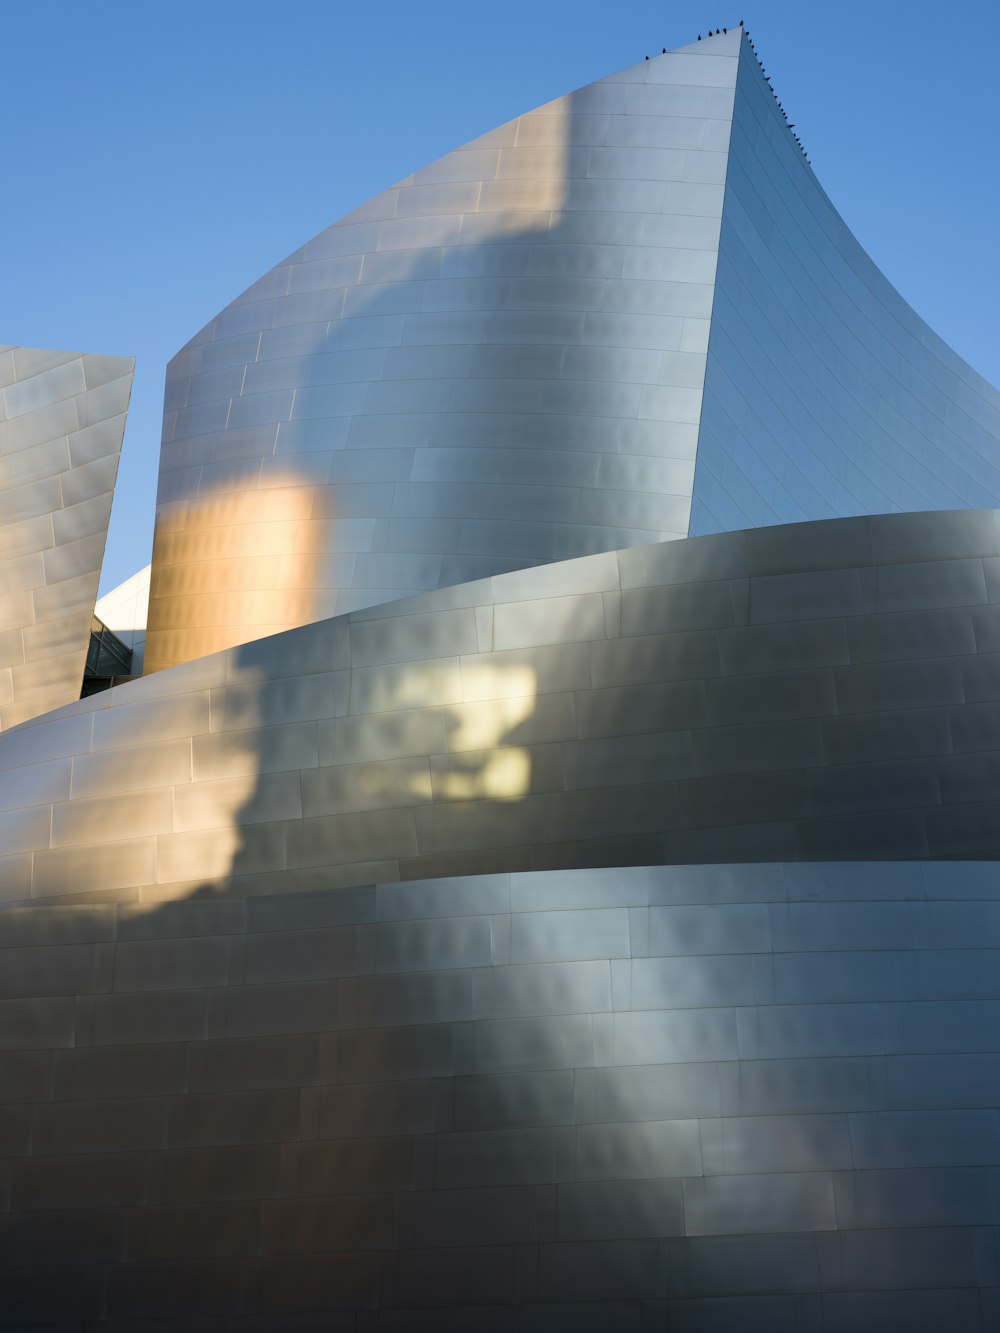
(385,1007)
(458,315)
(62,417)
(542,719)
(825,393)
(555,1145)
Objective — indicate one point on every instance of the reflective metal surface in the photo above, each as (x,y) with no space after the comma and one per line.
(496,363)
(371,976)
(819,691)
(825,393)
(500,361)
(62,417)
(726,1098)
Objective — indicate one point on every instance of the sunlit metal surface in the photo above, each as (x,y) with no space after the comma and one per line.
(500,362)
(496,363)
(820,691)
(366,976)
(62,417)
(730,1097)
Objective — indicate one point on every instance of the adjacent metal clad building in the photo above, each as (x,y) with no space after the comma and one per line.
(598,943)
(62,418)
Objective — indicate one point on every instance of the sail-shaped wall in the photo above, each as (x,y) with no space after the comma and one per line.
(501,362)
(825,393)
(496,363)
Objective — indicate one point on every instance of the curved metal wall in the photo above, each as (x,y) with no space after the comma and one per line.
(62,418)
(819,691)
(500,363)
(727,1098)
(496,363)
(825,393)
(324,994)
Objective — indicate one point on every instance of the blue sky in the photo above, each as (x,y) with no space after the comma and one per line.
(158,157)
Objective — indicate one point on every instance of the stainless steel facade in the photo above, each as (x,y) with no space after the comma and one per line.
(500,362)
(825,393)
(496,363)
(670,1098)
(260,1070)
(606,943)
(827,690)
(62,417)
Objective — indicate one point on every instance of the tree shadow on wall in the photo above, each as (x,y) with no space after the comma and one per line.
(295,1100)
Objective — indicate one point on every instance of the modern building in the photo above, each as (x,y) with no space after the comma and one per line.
(62,418)
(545,878)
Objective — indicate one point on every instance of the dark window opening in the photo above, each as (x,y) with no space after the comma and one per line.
(109,661)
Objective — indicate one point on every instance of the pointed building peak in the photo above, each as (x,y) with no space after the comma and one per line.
(716,42)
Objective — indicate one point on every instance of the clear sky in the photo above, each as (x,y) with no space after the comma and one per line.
(159,155)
